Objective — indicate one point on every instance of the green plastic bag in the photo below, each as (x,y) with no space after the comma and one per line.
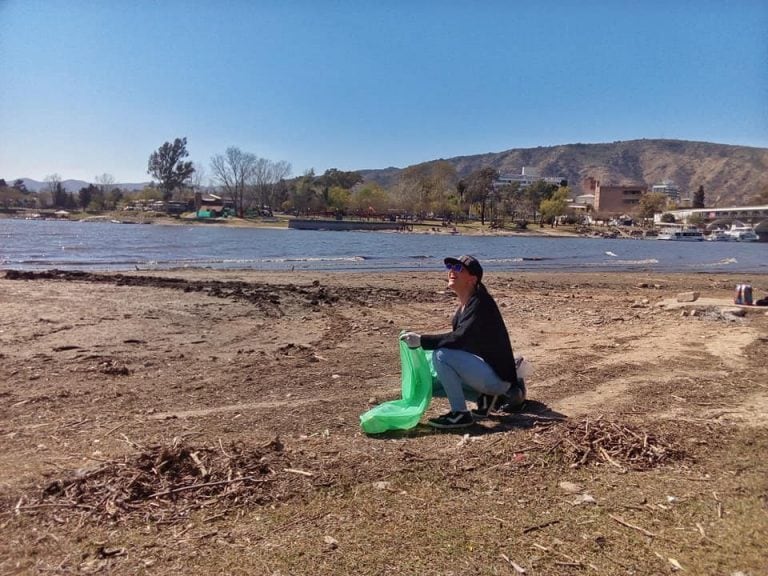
(416,384)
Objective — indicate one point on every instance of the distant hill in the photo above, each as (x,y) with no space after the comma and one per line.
(72,185)
(731,175)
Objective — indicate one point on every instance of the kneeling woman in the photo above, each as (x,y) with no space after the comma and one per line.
(477,353)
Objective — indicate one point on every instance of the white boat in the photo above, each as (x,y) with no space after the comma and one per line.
(687,235)
(719,236)
(742,233)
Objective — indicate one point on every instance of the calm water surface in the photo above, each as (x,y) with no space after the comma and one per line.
(40,245)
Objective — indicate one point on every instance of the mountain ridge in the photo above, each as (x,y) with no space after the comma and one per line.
(71,185)
(731,174)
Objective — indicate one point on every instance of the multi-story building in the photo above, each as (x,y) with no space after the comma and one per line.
(669,189)
(527,177)
(614,199)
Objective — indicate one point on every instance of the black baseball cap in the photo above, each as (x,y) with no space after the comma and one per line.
(470,263)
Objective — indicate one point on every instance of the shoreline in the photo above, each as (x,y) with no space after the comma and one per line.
(235,222)
(426,228)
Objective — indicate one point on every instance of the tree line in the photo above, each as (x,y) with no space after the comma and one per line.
(254,185)
(425,190)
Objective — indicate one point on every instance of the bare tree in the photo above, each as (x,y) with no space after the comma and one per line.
(266,175)
(55,188)
(261,181)
(480,186)
(199,177)
(234,172)
(105,182)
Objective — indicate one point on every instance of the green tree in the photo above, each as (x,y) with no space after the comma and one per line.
(113,198)
(698,198)
(339,178)
(338,198)
(536,193)
(668,218)
(651,203)
(369,199)
(85,195)
(97,202)
(167,165)
(303,196)
(461,190)
(555,205)
(425,188)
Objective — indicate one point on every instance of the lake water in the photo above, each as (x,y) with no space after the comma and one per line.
(40,245)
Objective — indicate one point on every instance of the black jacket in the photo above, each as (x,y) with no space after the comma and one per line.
(479,329)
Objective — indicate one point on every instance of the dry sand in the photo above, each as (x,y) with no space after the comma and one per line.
(203,422)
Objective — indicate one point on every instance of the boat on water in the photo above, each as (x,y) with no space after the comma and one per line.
(687,235)
(719,235)
(742,233)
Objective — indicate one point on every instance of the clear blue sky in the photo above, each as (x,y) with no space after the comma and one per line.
(95,86)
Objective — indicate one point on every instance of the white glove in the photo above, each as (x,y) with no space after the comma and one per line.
(411,339)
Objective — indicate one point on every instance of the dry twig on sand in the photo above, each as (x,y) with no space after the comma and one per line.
(600,440)
(167,482)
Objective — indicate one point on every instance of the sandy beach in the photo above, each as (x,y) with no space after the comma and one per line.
(197,422)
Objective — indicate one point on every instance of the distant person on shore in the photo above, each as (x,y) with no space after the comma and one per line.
(476,354)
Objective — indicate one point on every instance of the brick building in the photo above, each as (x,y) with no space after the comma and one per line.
(614,199)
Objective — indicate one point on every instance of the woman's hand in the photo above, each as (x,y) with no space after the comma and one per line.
(411,339)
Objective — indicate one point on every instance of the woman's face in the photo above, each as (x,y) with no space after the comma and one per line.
(460,280)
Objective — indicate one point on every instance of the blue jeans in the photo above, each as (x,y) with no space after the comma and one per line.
(457,369)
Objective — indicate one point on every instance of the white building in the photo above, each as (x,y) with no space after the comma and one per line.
(748,213)
(526,177)
(669,189)
(584,200)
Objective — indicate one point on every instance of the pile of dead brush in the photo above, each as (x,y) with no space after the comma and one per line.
(588,441)
(166,483)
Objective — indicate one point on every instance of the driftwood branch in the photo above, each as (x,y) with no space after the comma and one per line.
(204,485)
(628,525)
(539,526)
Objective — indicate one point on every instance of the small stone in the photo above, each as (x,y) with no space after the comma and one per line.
(570,487)
(331,542)
(382,485)
(687,296)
